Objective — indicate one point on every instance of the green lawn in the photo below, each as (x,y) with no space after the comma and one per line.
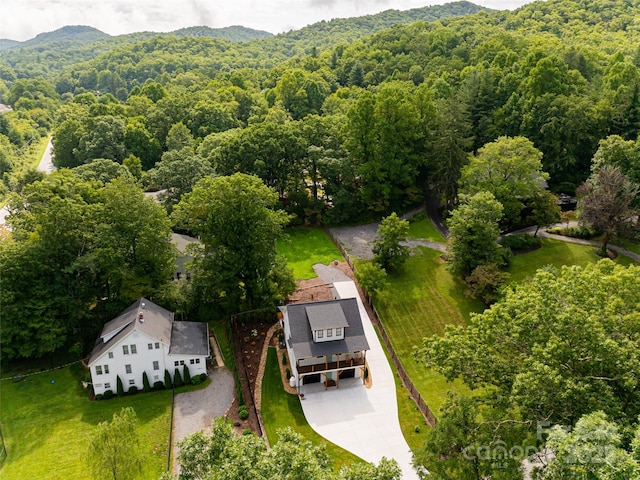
(281,409)
(303,247)
(425,229)
(556,253)
(419,302)
(46,426)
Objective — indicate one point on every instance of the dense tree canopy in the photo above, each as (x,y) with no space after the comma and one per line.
(76,245)
(223,455)
(235,219)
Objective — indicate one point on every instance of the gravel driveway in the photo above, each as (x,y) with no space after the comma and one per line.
(194,411)
(358,240)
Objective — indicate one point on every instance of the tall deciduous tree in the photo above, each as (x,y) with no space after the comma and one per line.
(114,448)
(388,250)
(592,449)
(235,219)
(509,168)
(607,200)
(473,233)
(555,348)
(177,173)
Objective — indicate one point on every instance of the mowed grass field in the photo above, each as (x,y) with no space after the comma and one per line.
(556,253)
(47,426)
(419,302)
(281,409)
(303,247)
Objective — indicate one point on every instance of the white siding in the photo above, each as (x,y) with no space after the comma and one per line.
(140,362)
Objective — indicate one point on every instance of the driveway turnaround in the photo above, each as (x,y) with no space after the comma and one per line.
(361,420)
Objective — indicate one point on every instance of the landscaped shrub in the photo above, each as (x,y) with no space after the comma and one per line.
(167,379)
(196,380)
(107,394)
(145,383)
(288,374)
(582,232)
(520,241)
(186,375)
(99,396)
(203,377)
(284,359)
(132,390)
(243,413)
(158,385)
(120,388)
(247,431)
(177,379)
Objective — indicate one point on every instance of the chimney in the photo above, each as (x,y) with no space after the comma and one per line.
(141,317)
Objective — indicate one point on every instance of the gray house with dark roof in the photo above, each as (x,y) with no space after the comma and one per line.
(325,341)
(146,338)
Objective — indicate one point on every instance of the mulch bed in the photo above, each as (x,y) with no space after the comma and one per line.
(248,340)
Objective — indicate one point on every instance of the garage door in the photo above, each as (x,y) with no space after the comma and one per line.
(348,373)
(311,378)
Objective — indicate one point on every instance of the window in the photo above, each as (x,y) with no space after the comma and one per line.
(181,362)
(176,363)
(127,368)
(320,334)
(329,332)
(197,360)
(338,331)
(157,344)
(98,369)
(156,365)
(107,385)
(125,349)
(106,369)
(132,382)
(192,361)
(110,354)
(134,349)
(150,346)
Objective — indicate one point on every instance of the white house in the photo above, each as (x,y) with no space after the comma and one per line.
(145,338)
(325,341)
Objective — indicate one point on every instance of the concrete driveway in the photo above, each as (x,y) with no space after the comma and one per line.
(359,419)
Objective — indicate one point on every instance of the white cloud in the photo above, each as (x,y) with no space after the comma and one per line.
(24,19)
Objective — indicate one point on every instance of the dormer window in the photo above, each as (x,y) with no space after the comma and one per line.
(327,321)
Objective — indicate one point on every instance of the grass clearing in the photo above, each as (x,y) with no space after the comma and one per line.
(46,426)
(556,253)
(424,229)
(305,246)
(281,409)
(419,302)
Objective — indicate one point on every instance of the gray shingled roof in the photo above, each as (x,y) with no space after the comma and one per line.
(325,315)
(157,324)
(302,337)
(189,338)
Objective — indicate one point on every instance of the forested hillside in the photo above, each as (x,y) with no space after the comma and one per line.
(340,129)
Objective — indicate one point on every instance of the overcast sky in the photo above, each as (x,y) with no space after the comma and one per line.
(24,19)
